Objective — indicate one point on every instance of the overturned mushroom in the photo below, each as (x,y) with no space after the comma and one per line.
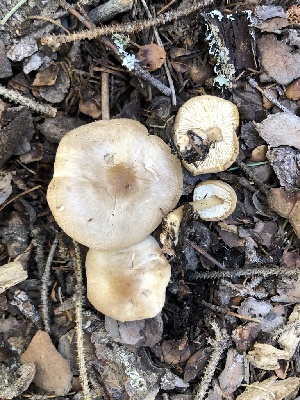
(213,200)
(113,183)
(130,283)
(205,134)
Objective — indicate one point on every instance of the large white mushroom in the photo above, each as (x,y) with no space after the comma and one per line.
(128,284)
(113,183)
(205,134)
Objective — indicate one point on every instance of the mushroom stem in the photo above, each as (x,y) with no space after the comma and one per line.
(173,220)
(208,202)
(212,134)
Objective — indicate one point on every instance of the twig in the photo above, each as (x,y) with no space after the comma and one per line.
(127,28)
(160,43)
(263,271)
(262,187)
(136,69)
(18,196)
(105,95)
(47,19)
(205,254)
(16,97)
(45,286)
(219,344)
(254,84)
(79,330)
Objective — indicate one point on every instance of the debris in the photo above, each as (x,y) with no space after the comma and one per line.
(53,372)
(16,382)
(145,332)
(271,389)
(11,274)
(280,60)
(273,130)
(270,317)
(233,373)
(5,66)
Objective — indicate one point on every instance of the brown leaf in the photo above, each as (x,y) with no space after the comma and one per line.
(47,77)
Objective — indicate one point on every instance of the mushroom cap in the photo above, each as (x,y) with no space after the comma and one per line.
(206,113)
(113,183)
(130,283)
(221,190)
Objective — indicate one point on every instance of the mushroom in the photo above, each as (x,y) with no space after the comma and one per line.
(213,200)
(205,134)
(210,191)
(113,183)
(128,284)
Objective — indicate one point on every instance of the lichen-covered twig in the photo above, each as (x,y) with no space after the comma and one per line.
(219,344)
(262,271)
(79,330)
(136,26)
(254,84)
(17,98)
(45,286)
(122,56)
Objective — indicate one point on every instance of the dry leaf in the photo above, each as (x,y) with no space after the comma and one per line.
(272,389)
(279,60)
(267,357)
(274,129)
(233,374)
(11,274)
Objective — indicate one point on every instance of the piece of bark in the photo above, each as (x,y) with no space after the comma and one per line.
(53,372)
(109,10)
(18,381)
(11,135)
(11,274)
(5,67)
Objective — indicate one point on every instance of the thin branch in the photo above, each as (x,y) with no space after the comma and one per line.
(256,86)
(79,329)
(219,344)
(16,97)
(127,28)
(45,286)
(262,271)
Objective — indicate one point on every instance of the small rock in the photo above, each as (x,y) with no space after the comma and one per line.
(53,372)
(22,49)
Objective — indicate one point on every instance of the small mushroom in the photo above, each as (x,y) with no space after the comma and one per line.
(213,200)
(113,183)
(205,134)
(221,196)
(130,283)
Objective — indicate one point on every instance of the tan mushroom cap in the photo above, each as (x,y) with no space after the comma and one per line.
(212,119)
(214,190)
(113,183)
(128,284)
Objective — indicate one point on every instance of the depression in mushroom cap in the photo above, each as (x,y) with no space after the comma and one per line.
(130,283)
(113,183)
(205,134)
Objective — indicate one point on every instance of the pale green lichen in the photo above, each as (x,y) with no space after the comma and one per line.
(120,41)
